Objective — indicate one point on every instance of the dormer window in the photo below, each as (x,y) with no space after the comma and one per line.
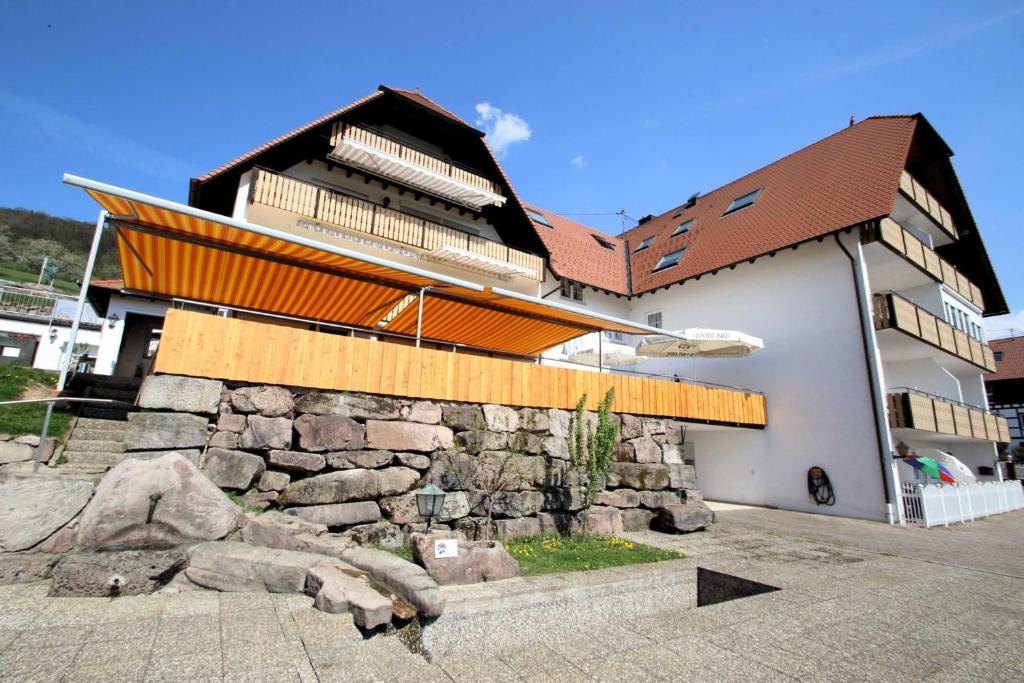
(643,245)
(539,218)
(668,260)
(683,227)
(573,291)
(603,242)
(742,202)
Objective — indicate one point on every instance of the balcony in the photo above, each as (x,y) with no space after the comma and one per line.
(912,409)
(919,208)
(901,241)
(441,243)
(34,305)
(893,312)
(398,160)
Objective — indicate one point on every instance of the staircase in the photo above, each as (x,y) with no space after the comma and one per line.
(95,445)
(123,389)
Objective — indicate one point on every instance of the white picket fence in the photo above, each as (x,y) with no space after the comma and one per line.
(930,505)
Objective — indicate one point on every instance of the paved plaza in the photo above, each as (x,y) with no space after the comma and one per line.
(859,601)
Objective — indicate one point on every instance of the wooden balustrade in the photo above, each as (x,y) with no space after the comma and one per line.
(913,410)
(927,203)
(296,196)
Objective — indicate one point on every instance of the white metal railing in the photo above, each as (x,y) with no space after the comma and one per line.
(47,306)
(930,505)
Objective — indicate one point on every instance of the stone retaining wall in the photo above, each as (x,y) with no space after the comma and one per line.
(351,461)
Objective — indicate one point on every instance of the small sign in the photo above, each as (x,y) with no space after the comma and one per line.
(448,547)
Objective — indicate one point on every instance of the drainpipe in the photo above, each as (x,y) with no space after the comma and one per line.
(872,362)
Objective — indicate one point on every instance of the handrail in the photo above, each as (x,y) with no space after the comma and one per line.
(928,394)
(440,156)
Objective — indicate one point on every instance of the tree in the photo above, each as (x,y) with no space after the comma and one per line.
(590,450)
(490,476)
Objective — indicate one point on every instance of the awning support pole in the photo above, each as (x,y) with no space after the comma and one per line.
(69,349)
(419,317)
(600,351)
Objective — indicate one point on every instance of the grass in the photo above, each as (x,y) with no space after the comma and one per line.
(28,419)
(551,554)
(17,273)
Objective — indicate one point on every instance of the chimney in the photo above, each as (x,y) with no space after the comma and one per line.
(853,120)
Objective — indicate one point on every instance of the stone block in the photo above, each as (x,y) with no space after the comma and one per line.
(559,422)
(267,433)
(33,508)
(383,534)
(653,425)
(684,517)
(478,440)
(360,406)
(657,499)
(230,422)
(602,520)
(329,433)
(180,394)
(555,447)
(619,498)
(338,514)
(426,412)
(366,460)
(462,417)
(565,498)
(259,500)
(682,476)
(273,481)
(232,469)
(268,401)
(410,581)
(393,481)
(624,452)
(524,442)
(561,523)
(334,487)
(296,460)
(190,454)
(632,427)
(456,506)
(476,561)
(240,567)
(12,451)
(163,431)
(336,591)
(407,436)
(115,574)
(507,503)
(522,527)
(224,440)
(645,450)
(278,530)
(401,509)
(636,519)
(534,420)
(672,453)
(641,476)
(500,418)
(416,461)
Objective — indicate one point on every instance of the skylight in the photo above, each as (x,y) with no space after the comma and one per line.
(603,242)
(643,245)
(670,259)
(742,202)
(683,227)
(539,218)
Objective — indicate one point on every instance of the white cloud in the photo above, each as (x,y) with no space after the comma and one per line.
(1005,325)
(502,128)
(579,162)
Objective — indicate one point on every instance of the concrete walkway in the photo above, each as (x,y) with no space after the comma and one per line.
(859,601)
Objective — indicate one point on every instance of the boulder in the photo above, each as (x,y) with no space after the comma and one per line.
(602,520)
(413,460)
(338,514)
(232,469)
(639,476)
(229,422)
(423,411)
(636,519)
(337,588)
(476,561)
(521,527)
(407,436)
(278,530)
(267,433)
(462,417)
(12,451)
(534,420)
(33,508)
(619,498)
(672,454)
(257,499)
(362,406)
(682,476)
(383,534)
(273,481)
(63,541)
(267,401)
(163,431)
(653,425)
(180,394)
(456,506)
(478,440)
(296,460)
(410,581)
(559,422)
(329,433)
(242,568)
(401,509)
(524,442)
(500,418)
(28,440)
(227,440)
(691,494)
(673,435)
(114,574)
(521,472)
(190,454)
(645,450)
(507,503)
(555,447)
(632,427)
(656,499)
(560,523)
(190,507)
(624,452)
(333,487)
(684,517)
(565,498)
(366,460)
(393,481)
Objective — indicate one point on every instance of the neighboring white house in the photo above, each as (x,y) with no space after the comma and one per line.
(35,326)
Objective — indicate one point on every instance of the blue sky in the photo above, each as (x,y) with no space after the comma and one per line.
(628,105)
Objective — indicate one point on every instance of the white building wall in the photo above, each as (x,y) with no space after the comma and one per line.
(48,353)
(110,342)
(923,374)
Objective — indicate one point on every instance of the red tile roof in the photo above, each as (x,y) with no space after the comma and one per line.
(1011,366)
(423,100)
(576,255)
(114,284)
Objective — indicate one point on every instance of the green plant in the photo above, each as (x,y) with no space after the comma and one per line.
(590,450)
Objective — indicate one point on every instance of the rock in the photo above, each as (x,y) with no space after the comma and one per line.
(632,427)
(645,450)
(338,514)
(163,431)
(296,460)
(652,425)
(656,499)
(624,452)
(258,500)
(456,506)
(383,534)
(33,508)
(413,460)
(63,541)
(401,509)
(534,420)
(23,567)
(479,440)
(507,503)
(410,581)
(362,406)
(561,523)
(476,561)
(5,437)
(522,472)
(684,517)
(524,442)
(673,435)
(273,481)
(229,422)
(620,498)
(180,394)
(336,591)
(227,440)
(232,469)
(691,494)
(191,507)
(555,447)
(407,436)
(461,417)
(602,520)
(682,476)
(565,498)
(267,433)
(500,418)
(522,527)
(672,453)
(242,568)
(278,530)
(115,574)
(333,487)
(190,454)
(639,476)
(559,422)
(12,451)
(28,440)
(425,412)
(368,460)
(329,433)
(636,519)
(393,481)
(267,401)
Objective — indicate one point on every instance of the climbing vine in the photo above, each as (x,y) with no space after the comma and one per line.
(590,450)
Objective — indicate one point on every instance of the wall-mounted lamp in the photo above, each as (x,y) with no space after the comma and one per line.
(53,335)
(903,449)
(112,320)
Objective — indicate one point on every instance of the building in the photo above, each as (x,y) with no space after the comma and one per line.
(856,259)
(35,326)
(1005,386)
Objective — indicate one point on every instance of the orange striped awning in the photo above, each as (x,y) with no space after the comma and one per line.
(179,251)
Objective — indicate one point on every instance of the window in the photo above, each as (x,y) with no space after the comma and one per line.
(643,245)
(539,218)
(614,337)
(572,291)
(654,320)
(742,202)
(998,355)
(603,242)
(683,227)
(668,260)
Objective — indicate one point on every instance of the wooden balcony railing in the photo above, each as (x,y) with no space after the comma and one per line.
(927,203)
(903,242)
(404,151)
(892,311)
(281,192)
(917,410)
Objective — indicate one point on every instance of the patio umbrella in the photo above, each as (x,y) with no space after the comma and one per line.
(702,342)
(610,359)
(930,467)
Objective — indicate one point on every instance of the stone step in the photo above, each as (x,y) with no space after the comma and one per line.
(97,435)
(100,423)
(86,470)
(92,459)
(77,444)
